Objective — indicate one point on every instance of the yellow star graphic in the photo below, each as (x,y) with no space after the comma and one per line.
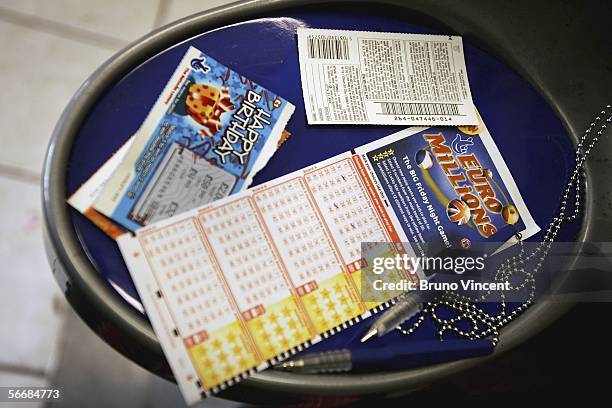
(287,312)
(259,324)
(227,371)
(207,363)
(273,318)
(222,356)
(284,343)
(231,337)
(296,334)
(242,363)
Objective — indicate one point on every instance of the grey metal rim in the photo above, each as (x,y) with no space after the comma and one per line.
(81,273)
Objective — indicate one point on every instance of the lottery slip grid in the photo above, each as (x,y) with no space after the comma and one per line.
(239,285)
(362,77)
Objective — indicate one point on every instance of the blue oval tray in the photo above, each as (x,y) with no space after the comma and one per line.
(532,140)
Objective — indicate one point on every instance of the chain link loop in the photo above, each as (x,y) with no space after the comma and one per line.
(466,309)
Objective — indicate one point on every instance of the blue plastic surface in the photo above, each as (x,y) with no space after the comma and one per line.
(531,138)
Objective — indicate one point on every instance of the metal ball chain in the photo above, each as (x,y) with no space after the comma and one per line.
(465,309)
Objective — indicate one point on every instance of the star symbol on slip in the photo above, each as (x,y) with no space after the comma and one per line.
(259,324)
(292,324)
(242,362)
(284,343)
(222,357)
(231,337)
(227,371)
(286,312)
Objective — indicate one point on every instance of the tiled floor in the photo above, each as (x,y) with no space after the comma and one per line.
(32,305)
(32,98)
(91,374)
(49,47)
(180,8)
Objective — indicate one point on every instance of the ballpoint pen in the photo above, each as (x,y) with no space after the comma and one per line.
(408,305)
(386,357)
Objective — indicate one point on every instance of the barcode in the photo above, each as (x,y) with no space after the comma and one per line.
(328,47)
(404,108)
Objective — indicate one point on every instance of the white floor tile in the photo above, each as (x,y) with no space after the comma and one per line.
(31,304)
(178,9)
(90,373)
(9,379)
(39,73)
(122,19)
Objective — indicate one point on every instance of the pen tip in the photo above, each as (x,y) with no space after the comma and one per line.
(286,365)
(289,365)
(369,335)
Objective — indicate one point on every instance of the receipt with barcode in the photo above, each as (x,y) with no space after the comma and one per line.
(363,77)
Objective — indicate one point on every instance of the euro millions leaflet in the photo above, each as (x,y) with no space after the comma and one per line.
(449,186)
(209,132)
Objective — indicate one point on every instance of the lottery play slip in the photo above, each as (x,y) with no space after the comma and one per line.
(236,285)
(207,135)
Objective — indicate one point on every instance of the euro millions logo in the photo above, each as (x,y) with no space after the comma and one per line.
(199,64)
(461,144)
